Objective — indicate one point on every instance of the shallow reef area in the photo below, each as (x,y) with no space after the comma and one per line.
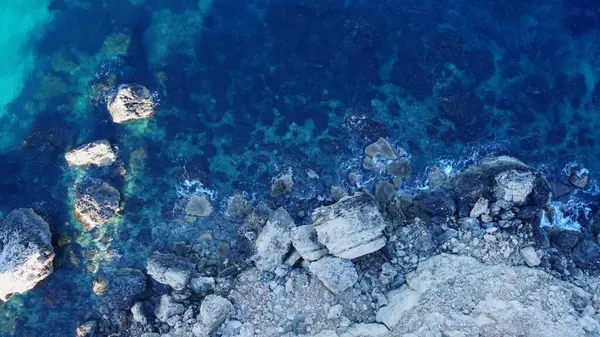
(252,106)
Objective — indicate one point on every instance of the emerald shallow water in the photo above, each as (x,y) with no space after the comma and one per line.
(246,89)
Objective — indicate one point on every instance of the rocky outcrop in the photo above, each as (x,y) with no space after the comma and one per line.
(124,289)
(96,205)
(273,242)
(98,153)
(172,270)
(352,227)
(131,102)
(335,273)
(26,253)
(168,311)
(304,239)
(459,294)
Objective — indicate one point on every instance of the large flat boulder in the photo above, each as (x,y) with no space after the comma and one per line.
(170,269)
(96,205)
(26,253)
(352,227)
(274,240)
(131,102)
(98,153)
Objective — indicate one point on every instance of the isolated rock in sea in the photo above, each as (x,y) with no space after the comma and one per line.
(335,273)
(459,294)
(304,239)
(274,241)
(97,205)
(238,207)
(352,227)
(579,178)
(198,205)
(125,287)
(282,184)
(26,253)
(172,270)
(98,153)
(131,102)
(214,310)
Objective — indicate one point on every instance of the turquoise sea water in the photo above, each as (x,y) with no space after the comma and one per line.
(246,89)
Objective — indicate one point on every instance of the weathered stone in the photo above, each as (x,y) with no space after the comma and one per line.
(586,254)
(168,308)
(335,273)
(469,298)
(304,239)
(530,257)
(198,205)
(400,168)
(139,313)
(131,102)
(273,242)
(480,207)
(202,285)
(514,186)
(124,288)
(384,191)
(26,253)
(214,310)
(96,205)
(170,269)
(87,329)
(381,148)
(98,153)
(352,227)
(438,202)
(282,184)
(238,207)
(337,193)
(579,178)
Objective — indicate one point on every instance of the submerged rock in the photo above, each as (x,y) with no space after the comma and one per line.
(352,227)
(381,148)
(198,205)
(384,191)
(514,186)
(98,153)
(274,241)
(438,202)
(131,102)
(462,295)
(97,205)
(335,273)
(26,253)
(238,207)
(172,270)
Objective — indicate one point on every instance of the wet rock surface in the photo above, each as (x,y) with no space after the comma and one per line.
(170,269)
(131,102)
(96,205)
(26,252)
(99,153)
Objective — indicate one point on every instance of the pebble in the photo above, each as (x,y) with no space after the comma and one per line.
(491,230)
(489,238)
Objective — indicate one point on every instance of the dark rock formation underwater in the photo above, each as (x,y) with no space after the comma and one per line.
(246,90)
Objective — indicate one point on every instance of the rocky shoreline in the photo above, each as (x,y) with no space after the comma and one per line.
(479,252)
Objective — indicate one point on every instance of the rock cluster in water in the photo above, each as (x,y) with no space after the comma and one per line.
(131,102)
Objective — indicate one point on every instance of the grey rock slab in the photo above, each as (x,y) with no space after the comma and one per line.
(172,270)
(335,273)
(131,102)
(98,153)
(304,239)
(274,240)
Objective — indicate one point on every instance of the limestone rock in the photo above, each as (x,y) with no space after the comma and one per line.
(238,207)
(352,227)
(139,314)
(381,148)
(273,242)
(335,273)
(514,186)
(131,102)
(97,205)
(26,253)
(400,168)
(459,294)
(87,329)
(202,285)
(167,308)
(282,184)
(480,208)
(214,310)
(304,239)
(198,205)
(579,178)
(170,269)
(337,193)
(530,256)
(98,153)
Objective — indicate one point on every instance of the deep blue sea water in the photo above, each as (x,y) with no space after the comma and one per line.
(246,89)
